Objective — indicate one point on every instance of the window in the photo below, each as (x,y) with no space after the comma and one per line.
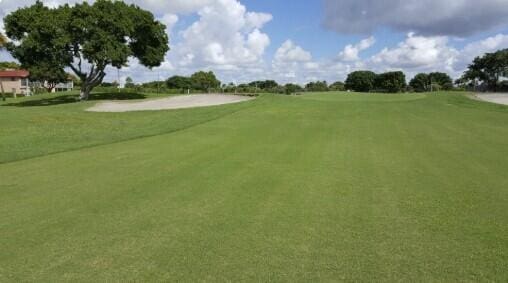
(24,82)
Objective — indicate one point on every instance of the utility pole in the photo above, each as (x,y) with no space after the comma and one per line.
(118,78)
(158,81)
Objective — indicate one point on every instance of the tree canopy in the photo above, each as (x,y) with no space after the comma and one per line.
(85,38)
(390,82)
(204,81)
(179,82)
(264,85)
(317,86)
(337,86)
(9,65)
(488,69)
(362,81)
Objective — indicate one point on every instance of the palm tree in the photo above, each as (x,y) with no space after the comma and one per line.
(3,42)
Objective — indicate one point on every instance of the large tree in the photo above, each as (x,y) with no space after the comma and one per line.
(488,69)
(362,81)
(85,38)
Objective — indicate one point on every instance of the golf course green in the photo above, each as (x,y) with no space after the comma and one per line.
(317,187)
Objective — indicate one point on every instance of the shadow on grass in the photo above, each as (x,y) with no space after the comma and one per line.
(74,98)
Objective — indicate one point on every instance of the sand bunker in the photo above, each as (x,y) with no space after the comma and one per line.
(499,98)
(176,102)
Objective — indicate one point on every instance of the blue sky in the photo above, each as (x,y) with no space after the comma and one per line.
(301,40)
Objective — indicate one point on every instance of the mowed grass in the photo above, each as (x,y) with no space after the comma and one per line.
(320,187)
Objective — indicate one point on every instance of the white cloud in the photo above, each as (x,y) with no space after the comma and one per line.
(169,20)
(417,53)
(351,52)
(225,34)
(428,17)
(474,49)
(289,53)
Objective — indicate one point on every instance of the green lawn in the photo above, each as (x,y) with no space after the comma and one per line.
(320,187)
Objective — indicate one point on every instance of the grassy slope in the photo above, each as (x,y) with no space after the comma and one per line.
(31,128)
(315,188)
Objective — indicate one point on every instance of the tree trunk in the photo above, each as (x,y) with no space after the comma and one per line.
(84,93)
(2,90)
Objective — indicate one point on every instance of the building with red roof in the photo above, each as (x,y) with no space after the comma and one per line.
(15,82)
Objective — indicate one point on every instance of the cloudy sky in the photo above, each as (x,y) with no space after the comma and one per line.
(302,40)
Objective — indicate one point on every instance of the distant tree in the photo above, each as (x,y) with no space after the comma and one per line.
(47,74)
(98,35)
(75,80)
(204,81)
(264,85)
(487,69)
(442,79)
(337,86)
(317,86)
(292,88)
(361,81)
(433,81)
(390,82)
(179,82)
(9,65)
(420,83)
(129,82)
(153,84)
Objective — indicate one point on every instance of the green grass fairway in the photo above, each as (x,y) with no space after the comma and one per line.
(320,187)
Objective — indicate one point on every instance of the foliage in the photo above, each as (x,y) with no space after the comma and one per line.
(317,86)
(442,79)
(487,69)
(434,81)
(179,82)
(86,38)
(337,86)
(360,81)
(420,82)
(204,81)
(390,82)
(292,88)
(9,65)
(48,75)
(129,82)
(264,85)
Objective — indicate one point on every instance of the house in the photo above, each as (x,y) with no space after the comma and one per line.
(15,82)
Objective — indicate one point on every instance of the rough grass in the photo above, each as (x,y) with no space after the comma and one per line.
(322,187)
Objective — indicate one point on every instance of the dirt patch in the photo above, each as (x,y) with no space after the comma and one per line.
(176,102)
(499,98)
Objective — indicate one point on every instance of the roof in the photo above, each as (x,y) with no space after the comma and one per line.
(14,74)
